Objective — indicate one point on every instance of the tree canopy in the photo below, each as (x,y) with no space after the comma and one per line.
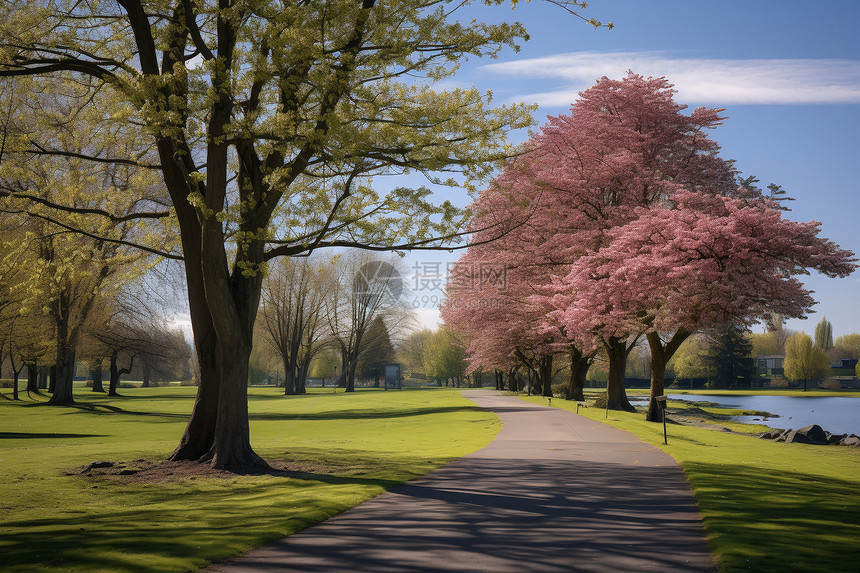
(266,122)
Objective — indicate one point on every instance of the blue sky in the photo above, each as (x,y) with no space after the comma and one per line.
(787,72)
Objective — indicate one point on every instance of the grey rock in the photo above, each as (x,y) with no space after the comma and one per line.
(851,440)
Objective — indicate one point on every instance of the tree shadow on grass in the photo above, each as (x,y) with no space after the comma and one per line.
(365,413)
(49,436)
(778,522)
(168,521)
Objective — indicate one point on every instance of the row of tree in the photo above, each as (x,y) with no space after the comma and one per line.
(264,125)
(67,300)
(347,306)
(621,222)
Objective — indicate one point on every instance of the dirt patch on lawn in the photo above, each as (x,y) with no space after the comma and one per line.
(148,471)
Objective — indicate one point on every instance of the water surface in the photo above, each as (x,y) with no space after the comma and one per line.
(838,415)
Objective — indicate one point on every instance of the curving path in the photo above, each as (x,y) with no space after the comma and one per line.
(554,492)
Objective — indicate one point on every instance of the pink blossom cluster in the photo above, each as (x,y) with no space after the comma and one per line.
(619,220)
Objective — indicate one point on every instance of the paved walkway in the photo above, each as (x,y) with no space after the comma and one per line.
(553,492)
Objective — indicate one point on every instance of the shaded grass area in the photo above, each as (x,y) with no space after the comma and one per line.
(768,507)
(334,450)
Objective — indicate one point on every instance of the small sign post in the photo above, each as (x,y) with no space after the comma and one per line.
(392,376)
(661,401)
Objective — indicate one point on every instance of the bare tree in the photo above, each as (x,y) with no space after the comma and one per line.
(291,312)
(366,288)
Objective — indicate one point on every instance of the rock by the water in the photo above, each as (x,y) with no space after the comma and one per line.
(772,435)
(851,440)
(835,438)
(814,433)
(784,435)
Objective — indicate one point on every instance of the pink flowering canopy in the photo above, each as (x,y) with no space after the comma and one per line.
(621,217)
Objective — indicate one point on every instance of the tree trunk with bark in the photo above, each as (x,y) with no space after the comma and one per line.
(579,365)
(63,376)
(146,372)
(660,356)
(616,395)
(116,372)
(544,374)
(32,378)
(96,368)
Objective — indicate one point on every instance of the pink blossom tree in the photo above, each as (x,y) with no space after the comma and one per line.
(700,262)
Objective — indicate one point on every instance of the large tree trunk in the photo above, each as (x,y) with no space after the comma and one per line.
(42,379)
(289,376)
(116,372)
(96,368)
(301,388)
(660,356)
(579,366)
(32,378)
(146,372)
(231,447)
(199,433)
(545,374)
(617,350)
(64,372)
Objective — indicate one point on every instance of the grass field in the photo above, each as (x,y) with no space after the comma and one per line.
(336,450)
(767,507)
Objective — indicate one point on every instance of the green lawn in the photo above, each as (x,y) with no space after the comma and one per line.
(767,507)
(340,449)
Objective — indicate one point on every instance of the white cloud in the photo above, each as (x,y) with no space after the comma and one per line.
(698,80)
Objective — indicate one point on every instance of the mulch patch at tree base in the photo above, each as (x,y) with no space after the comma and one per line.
(148,471)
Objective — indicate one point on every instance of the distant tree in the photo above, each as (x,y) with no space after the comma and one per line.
(849,344)
(804,360)
(446,357)
(728,358)
(690,360)
(824,334)
(365,288)
(769,343)
(412,350)
(291,313)
(377,352)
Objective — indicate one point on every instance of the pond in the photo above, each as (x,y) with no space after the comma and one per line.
(834,414)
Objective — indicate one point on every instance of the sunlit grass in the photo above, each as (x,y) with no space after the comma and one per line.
(346,448)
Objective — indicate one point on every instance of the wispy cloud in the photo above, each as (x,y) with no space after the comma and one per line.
(698,80)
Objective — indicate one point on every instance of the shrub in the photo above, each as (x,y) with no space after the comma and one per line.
(831,384)
(779,383)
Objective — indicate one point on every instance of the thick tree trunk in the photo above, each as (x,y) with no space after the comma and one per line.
(302,385)
(199,433)
(616,349)
(289,376)
(579,366)
(64,372)
(545,374)
(231,447)
(116,373)
(32,378)
(350,375)
(42,380)
(660,356)
(96,375)
(146,372)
